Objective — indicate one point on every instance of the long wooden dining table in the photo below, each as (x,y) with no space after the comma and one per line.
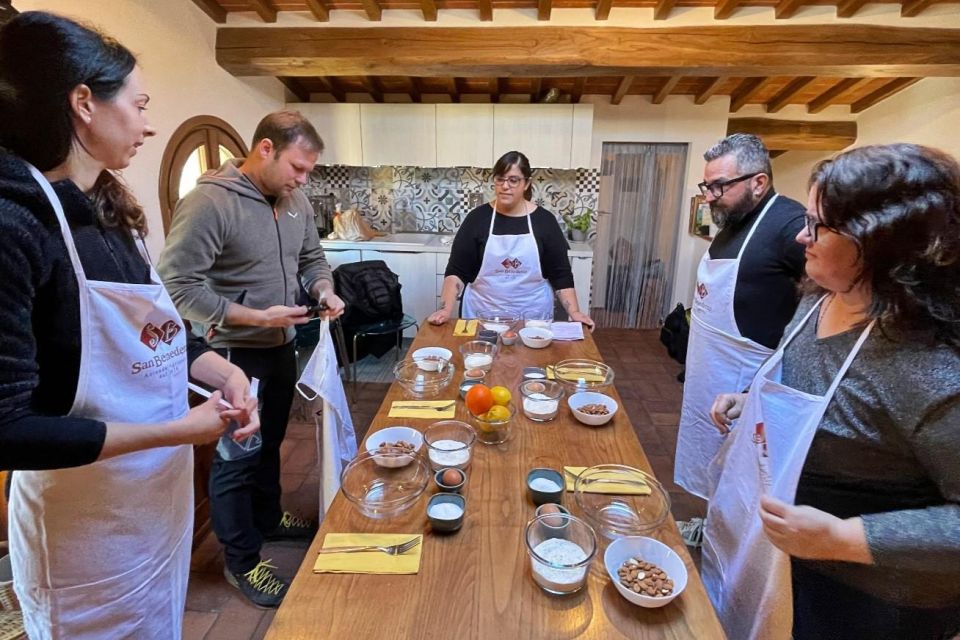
(477,583)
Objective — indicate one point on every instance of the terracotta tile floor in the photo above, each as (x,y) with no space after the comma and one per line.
(645,378)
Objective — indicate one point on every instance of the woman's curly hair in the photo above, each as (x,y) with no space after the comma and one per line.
(901,204)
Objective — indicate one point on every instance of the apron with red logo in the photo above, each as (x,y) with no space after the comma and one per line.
(103,550)
(510,278)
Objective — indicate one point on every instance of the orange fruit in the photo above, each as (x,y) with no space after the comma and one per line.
(501,396)
(478,399)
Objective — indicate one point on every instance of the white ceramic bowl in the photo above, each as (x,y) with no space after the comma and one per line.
(649,550)
(394,434)
(428,358)
(577,400)
(536,337)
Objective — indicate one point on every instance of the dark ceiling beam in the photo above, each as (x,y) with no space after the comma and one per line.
(543,9)
(663,9)
(622,89)
(297,89)
(319,10)
(331,86)
(373,87)
(884,92)
(786,8)
(536,86)
(264,9)
(453,89)
(707,92)
(494,89)
(212,9)
(486,10)
(602,11)
(785,95)
(797,135)
(429,9)
(416,94)
(725,8)
(831,50)
(373,9)
(912,8)
(578,86)
(848,8)
(745,92)
(833,94)
(668,85)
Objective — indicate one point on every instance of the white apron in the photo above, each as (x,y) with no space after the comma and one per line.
(336,438)
(746,577)
(103,550)
(510,278)
(719,360)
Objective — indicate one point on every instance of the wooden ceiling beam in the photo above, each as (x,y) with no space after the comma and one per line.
(884,92)
(603,9)
(319,10)
(373,87)
(454,90)
(725,8)
(797,135)
(622,89)
(786,8)
(213,9)
(486,10)
(543,9)
(494,89)
(707,92)
(373,9)
(831,95)
(788,93)
(536,86)
(264,9)
(429,9)
(663,9)
(668,85)
(578,86)
(782,50)
(297,89)
(848,8)
(331,86)
(415,93)
(745,91)
(913,8)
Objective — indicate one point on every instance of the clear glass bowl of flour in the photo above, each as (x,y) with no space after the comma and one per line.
(561,553)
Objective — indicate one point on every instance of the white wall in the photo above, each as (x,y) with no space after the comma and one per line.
(677,120)
(174,42)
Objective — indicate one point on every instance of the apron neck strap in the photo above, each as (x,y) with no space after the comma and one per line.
(756,223)
(493,218)
(61,219)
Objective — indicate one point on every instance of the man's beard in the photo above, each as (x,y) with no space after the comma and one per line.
(734,213)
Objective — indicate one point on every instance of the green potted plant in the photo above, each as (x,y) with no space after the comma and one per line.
(578,225)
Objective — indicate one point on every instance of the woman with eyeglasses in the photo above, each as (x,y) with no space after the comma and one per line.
(510,254)
(838,498)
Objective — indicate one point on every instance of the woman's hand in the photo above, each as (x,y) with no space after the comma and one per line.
(204,423)
(812,534)
(726,408)
(440,316)
(579,316)
(236,391)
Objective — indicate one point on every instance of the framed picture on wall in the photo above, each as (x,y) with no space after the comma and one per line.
(701,223)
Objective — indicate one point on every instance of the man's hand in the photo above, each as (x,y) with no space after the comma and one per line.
(812,534)
(727,408)
(282,316)
(335,306)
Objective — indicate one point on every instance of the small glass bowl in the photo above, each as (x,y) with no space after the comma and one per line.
(419,383)
(552,575)
(618,515)
(449,444)
(381,492)
(540,399)
(538,319)
(580,374)
(498,321)
(494,431)
(478,354)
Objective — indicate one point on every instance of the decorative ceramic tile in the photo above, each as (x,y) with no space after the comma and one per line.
(381,177)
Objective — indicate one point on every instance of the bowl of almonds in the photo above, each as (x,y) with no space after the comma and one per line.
(645,571)
(592,408)
(395,446)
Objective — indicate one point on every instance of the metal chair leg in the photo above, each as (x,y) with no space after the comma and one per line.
(340,346)
(355,336)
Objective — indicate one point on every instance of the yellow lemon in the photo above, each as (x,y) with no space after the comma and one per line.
(498,413)
(501,396)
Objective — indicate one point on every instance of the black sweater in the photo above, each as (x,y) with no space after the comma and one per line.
(466,254)
(40,318)
(766,294)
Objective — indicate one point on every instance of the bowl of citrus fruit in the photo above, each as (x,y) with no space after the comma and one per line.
(491,412)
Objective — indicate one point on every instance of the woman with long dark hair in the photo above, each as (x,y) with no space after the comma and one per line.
(509,254)
(93,398)
(848,442)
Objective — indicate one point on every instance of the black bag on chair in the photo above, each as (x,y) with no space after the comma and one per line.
(675,333)
(371,293)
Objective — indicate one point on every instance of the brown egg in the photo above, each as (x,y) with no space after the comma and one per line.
(552,512)
(536,387)
(450,477)
(509,335)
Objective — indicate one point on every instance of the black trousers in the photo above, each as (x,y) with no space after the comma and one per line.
(824,609)
(245,493)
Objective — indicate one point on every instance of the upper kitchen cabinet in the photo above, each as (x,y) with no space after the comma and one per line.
(544,132)
(465,135)
(399,134)
(339,127)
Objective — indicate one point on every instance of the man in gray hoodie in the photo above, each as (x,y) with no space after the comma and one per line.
(240,246)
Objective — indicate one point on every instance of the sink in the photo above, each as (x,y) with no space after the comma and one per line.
(408,237)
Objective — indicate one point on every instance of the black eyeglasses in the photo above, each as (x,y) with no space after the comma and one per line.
(814,226)
(513,181)
(716,188)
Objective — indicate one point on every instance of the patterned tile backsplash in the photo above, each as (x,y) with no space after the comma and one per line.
(437,199)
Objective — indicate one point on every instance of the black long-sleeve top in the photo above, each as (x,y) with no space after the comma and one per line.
(766,293)
(466,254)
(40,318)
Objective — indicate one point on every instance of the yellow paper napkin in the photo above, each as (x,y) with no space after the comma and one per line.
(415,409)
(465,328)
(575,375)
(368,561)
(571,473)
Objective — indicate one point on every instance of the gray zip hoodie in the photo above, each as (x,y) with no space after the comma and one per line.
(226,240)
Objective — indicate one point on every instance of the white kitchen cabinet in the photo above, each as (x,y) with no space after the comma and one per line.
(465,135)
(582,274)
(415,271)
(581,142)
(337,257)
(339,128)
(543,132)
(399,134)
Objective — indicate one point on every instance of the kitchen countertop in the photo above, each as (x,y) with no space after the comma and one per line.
(425,243)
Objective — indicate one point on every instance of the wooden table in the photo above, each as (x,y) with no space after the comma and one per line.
(477,583)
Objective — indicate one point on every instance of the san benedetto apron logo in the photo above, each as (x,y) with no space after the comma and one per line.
(701,290)
(511,263)
(152,335)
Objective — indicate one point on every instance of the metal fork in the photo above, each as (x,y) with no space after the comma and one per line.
(442,407)
(391,550)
